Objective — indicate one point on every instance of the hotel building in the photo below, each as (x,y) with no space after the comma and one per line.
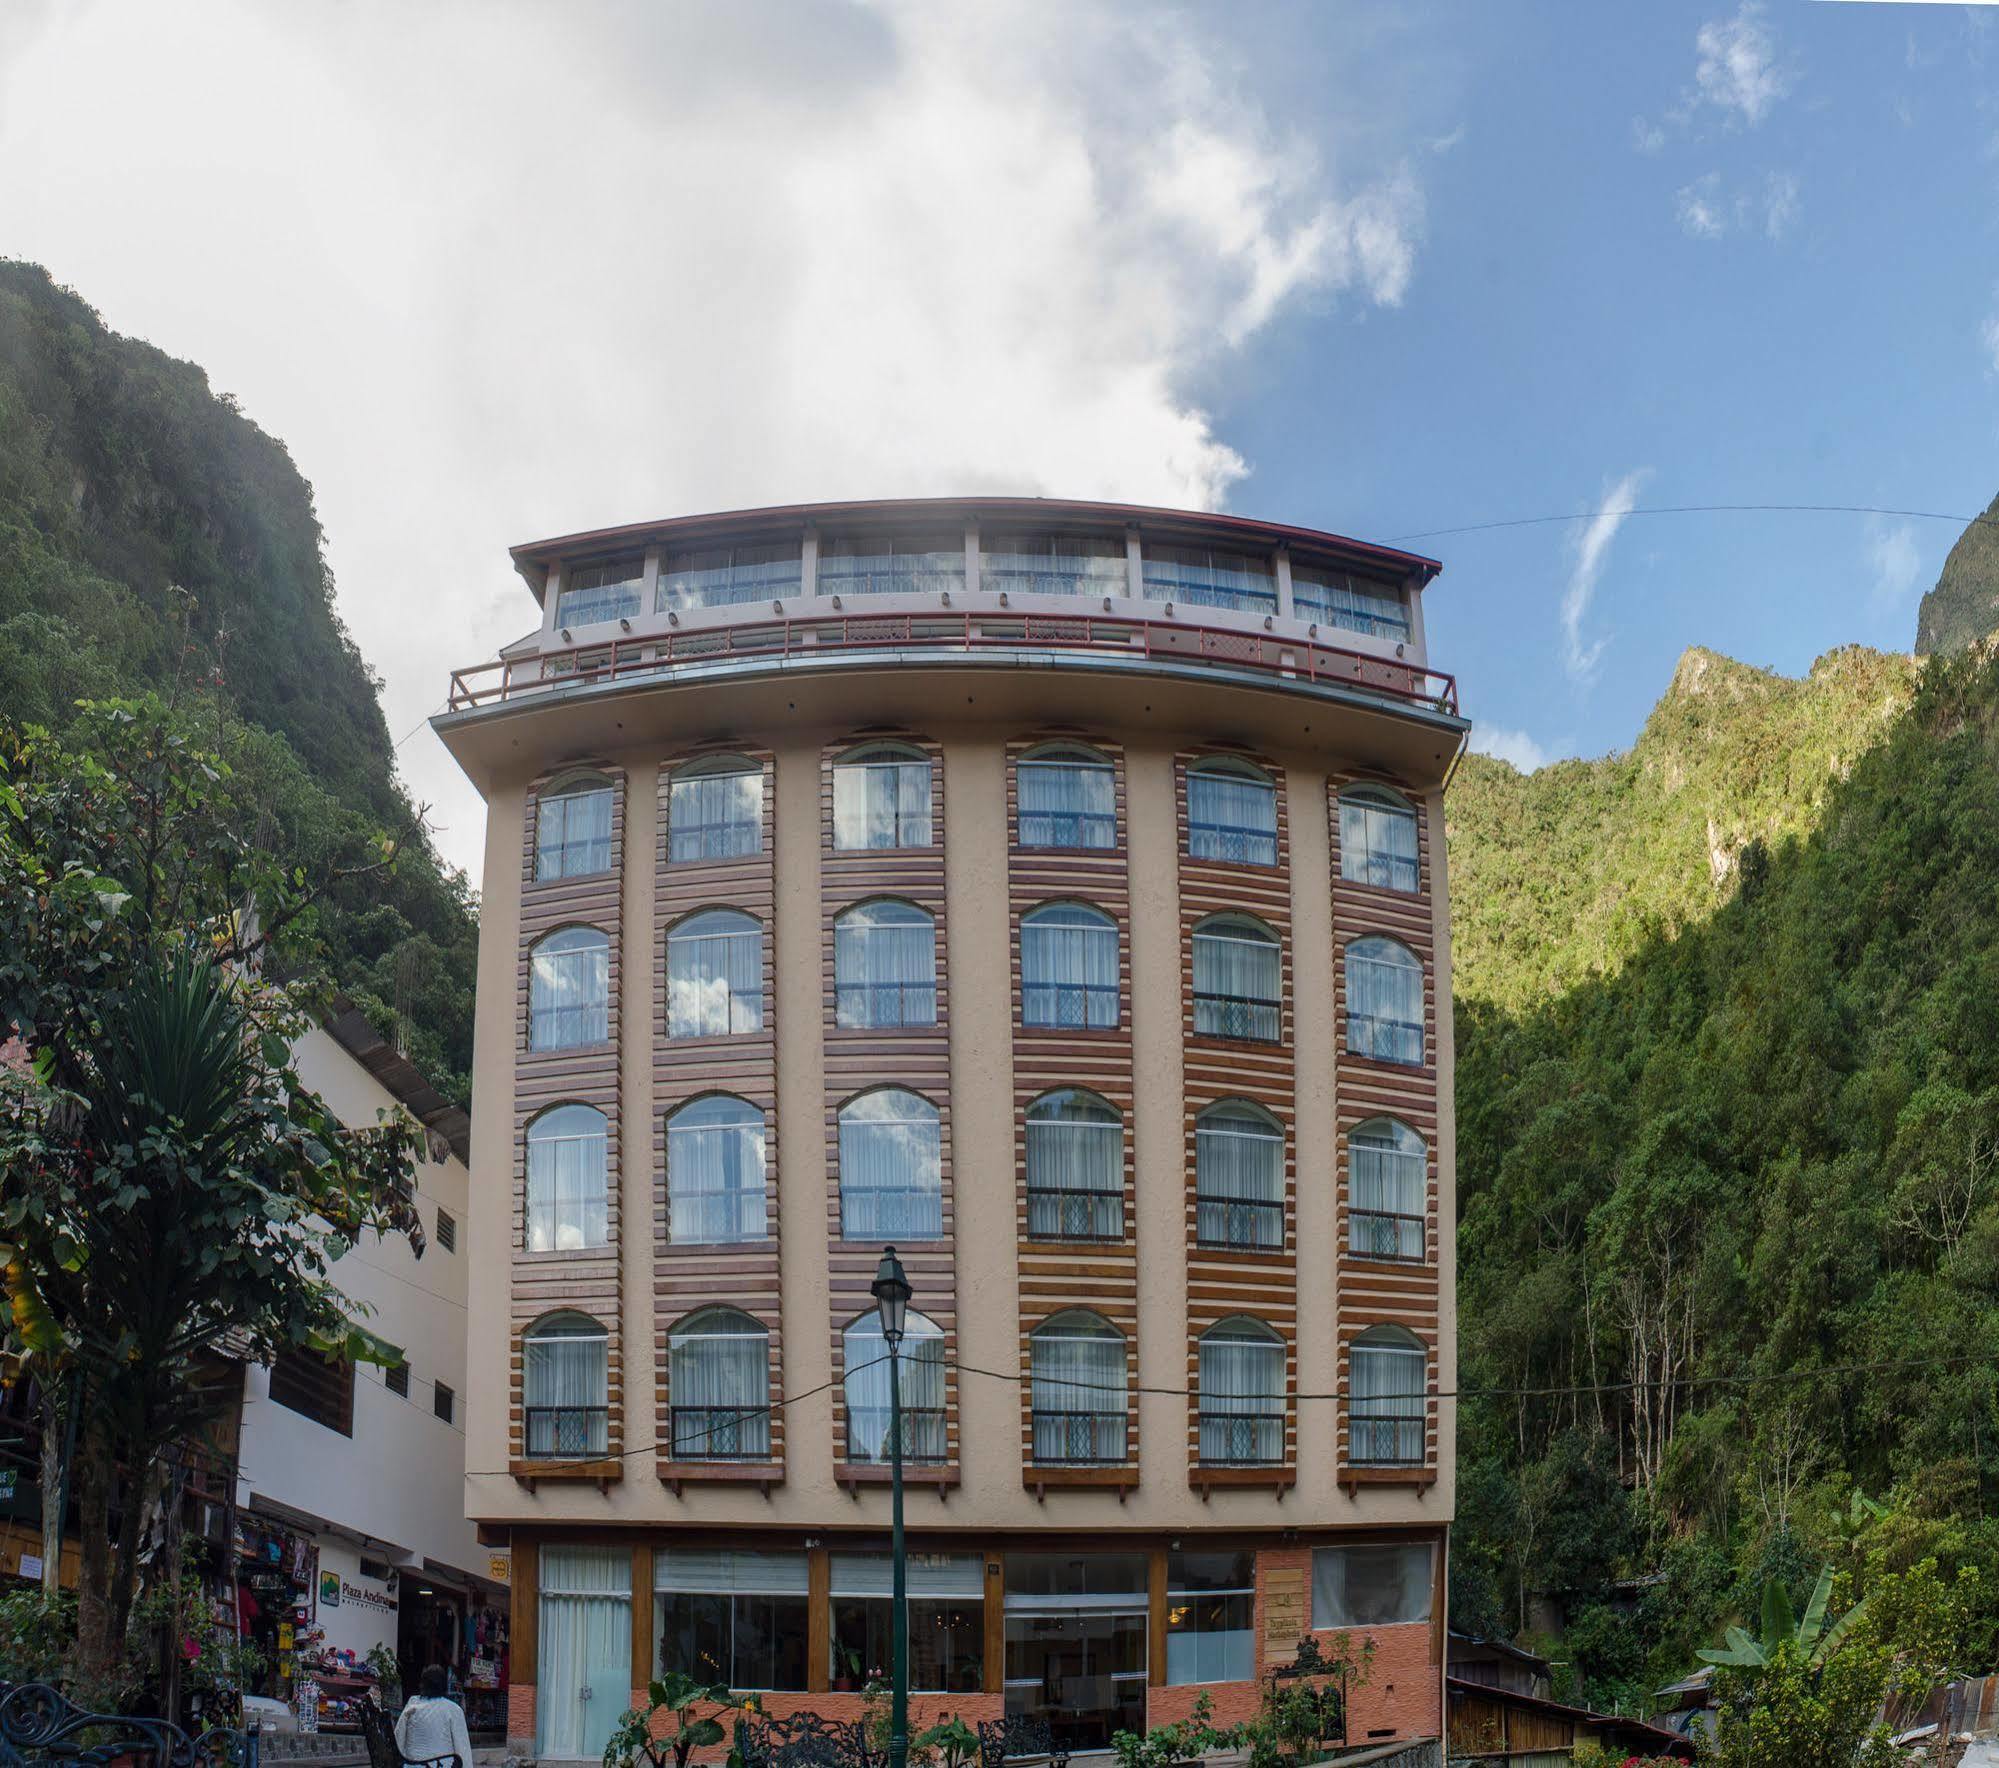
(1055,891)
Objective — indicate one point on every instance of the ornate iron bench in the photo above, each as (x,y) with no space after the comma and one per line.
(805,1740)
(40,1726)
(1017,1735)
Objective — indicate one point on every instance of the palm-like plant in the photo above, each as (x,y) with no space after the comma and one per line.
(672,1724)
(1808,1635)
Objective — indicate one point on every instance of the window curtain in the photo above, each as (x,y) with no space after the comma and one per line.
(715,1176)
(714,977)
(1236,984)
(866,1356)
(714,816)
(1388,1404)
(881,804)
(565,1388)
(1242,1397)
(899,565)
(1209,579)
(567,1204)
(1384,1001)
(885,966)
(585,1648)
(569,986)
(891,1180)
(572,833)
(1231,817)
(719,577)
(1238,1181)
(1377,844)
(1066,804)
(718,1378)
(1371,1586)
(1078,1395)
(1389,1192)
(1069,969)
(1075,1170)
(1053,564)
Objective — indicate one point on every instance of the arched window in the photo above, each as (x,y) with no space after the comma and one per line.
(715,975)
(1075,1168)
(1068,967)
(1231,813)
(714,810)
(718,1386)
(866,1357)
(1067,798)
(1386,1164)
(572,828)
(1378,839)
(1238,986)
(1077,1391)
(1390,1373)
(569,989)
(715,1172)
(567,1207)
(891,1171)
(881,797)
(565,1388)
(1384,1001)
(884,965)
(1238,1178)
(1242,1394)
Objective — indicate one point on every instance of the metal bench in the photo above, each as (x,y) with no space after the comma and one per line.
(805,1740)
(1016,1736)
(40,1727)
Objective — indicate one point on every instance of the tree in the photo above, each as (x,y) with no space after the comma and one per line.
(170,1191)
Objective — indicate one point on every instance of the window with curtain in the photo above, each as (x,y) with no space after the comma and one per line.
(1389,1373)
(1384,1001)
(1075,1167)
(718,1387)
(1077,1391)
(1066,798)
(884,966)
(592,594)
(1354,604)
(892,564)
(891,1168)
(1378,839)
(722,576)
(1231,813)
(565,1388)
(1210,1617)
(1206,577)
(1238,986)
(732,1617)
(715,1182)
(1388,1190)
(881,798)
(946,1596)
(1384,1586)
(569,989)
(715,975)
(1053,564)
(1242,1395)
(585,1639)
(567,1197)
(1238,1178)
(714,810)
(572,830)
(866,1360)
(1069,967)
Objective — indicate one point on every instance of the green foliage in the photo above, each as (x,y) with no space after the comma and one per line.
(152,537)
(951,1744)
(1182,1740)
(1964,605)
(680,1716)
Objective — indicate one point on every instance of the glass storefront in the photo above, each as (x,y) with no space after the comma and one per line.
(1075,1643)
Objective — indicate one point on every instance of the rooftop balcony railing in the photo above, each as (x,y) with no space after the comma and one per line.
(947,633)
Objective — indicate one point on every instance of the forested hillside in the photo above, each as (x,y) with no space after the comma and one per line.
(1728,1106)
(1964,605)
(151,536)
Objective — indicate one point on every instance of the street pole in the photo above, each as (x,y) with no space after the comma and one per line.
(898,1724)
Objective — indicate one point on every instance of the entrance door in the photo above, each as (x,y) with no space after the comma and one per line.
(583,1680)
(1084,1671)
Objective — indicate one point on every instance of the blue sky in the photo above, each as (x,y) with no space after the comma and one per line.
(495,269)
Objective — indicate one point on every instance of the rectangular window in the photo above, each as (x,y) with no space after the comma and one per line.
(946,1621)
(714,816)
(1200,577)
(396,1379)
(1354,604)
(592,594)
(720,577)
(737,1618)
(881,801)
(892,564)
(1067,802)
(1053,564)
(1210,1617)
(1371,1586)
(447,1231)
(316,1387)
(572,833)
(443,1401)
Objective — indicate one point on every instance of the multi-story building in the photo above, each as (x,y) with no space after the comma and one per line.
(1055,891)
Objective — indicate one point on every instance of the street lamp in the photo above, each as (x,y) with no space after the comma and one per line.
(891,1291)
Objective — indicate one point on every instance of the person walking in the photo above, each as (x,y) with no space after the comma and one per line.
(431,1727)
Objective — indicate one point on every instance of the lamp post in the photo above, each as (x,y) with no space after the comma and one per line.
(892,1292)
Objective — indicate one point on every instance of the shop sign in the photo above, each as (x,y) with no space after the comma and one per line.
(8,1477)
(31,1565)
(329,1589)
(500,1567)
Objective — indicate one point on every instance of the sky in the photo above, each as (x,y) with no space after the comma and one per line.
(501,270)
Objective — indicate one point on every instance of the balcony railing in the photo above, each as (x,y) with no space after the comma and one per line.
(923,1438)
(891,1212)
(1235,844)
(731,839)
(1242,1224)
(766,641)
(1385,1040)
(567,1432)
(1069,831)
(1079,1439)
(1389,1433)
(1067,1006)
(720,1433)
(1236,1016)
(1241,1439)
(1073,1212)
(881,1006)
(1378,1234)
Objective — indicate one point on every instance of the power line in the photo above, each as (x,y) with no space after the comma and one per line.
(1704,509)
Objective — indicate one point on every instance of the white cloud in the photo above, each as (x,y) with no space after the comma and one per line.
(1893,559)
(1780,203)
(1514,746)
(1707,209)
(1590,549)
(1647,137)
(1736,68)
(495,270)
(1700,209)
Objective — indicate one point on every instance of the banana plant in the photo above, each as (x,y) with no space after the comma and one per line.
(1809,1636)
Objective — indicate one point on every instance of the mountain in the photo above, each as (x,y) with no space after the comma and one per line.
(1964,606)
(153,537)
